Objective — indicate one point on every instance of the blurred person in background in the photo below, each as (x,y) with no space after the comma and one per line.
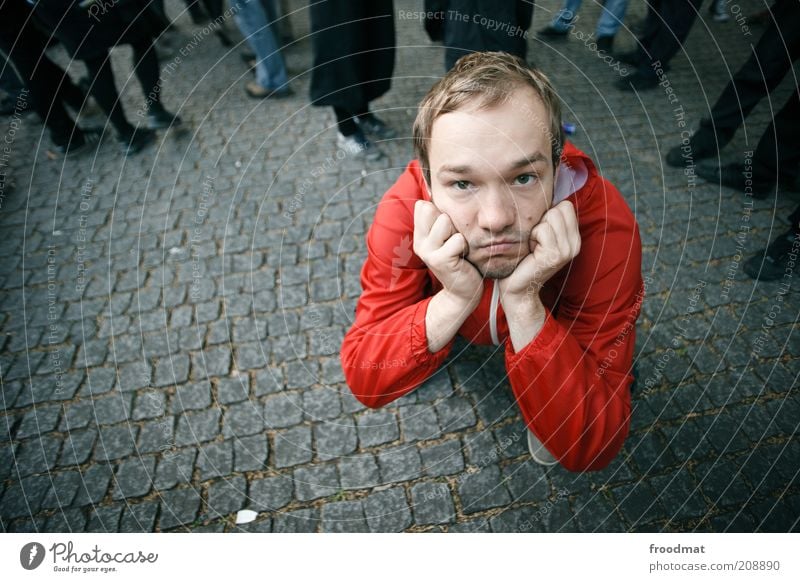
(256,24)
(611,17)
(51,88)
(777,156)
(665,29)
(88,32)
(468,26)
(353,46)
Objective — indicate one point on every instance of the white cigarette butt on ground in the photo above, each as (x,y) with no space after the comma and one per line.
(245,516)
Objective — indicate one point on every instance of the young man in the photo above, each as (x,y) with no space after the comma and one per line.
(516,240)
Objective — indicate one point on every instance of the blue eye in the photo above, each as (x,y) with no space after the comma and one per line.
(525,179)
(461,185)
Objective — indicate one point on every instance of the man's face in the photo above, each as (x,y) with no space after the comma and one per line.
(492,174)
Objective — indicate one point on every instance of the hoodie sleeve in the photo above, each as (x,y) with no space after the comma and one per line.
(572,381)
(385,353)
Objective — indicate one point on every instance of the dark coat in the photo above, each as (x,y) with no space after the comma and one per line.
(480,25)
(89,32)
(353,44)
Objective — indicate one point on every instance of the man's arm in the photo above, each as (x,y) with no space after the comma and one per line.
(570,374)
(404,328)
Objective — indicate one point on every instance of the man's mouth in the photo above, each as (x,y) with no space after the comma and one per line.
(500,246)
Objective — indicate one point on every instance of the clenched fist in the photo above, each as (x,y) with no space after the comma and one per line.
(443,249)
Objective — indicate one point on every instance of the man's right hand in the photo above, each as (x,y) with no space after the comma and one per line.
(442,248)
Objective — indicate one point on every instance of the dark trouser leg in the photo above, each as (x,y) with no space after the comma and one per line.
(678,17)
(146,68)
(9,82)
(771,59)
(794,218)
(344,120)
(213,8)
(105,93)
(778,152)
(196,11)
(47,82)
(652,23)
(363,111)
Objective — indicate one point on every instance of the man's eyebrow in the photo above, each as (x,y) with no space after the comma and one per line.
(520,163)
(528,160)
(454,170)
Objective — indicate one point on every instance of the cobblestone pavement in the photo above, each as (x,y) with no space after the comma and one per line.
(171,322)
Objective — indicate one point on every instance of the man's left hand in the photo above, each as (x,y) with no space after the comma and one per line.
(554,242)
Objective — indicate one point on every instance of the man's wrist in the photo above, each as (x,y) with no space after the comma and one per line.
(446,313)
(458,305)
(525,315)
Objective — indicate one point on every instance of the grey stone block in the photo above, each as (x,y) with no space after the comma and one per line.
(432,504)
(359,472)
(293,447)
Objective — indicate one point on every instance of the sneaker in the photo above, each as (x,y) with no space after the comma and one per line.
(359,146)
(732,176)
(256,91)
(773,263)
(540,454)
(374,127)
(704,143)
(161,118)
(135,142)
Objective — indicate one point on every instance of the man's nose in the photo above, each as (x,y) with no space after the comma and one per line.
(497,211)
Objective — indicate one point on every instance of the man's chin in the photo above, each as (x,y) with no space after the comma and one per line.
(497,268)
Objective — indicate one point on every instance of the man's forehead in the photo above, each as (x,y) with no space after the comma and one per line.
(515,126)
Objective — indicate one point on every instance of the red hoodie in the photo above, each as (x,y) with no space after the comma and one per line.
(572,381)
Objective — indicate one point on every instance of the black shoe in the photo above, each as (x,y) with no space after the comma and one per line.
(773,263)
(637,82)
(703,144)
(224,39)
(605,44)
(732,176)
(550,33)
(629,58)
(11,105)
(161,118)
(374,127)
(83,140)
(130,144)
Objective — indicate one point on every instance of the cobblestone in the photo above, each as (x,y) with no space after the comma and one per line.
(293,447)
(344,516)
(314,482)
(359,472)
(432,503)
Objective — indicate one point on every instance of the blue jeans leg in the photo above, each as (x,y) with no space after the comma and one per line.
(611,18)
(252,21)
(565,16)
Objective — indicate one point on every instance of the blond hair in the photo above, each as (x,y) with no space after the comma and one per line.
(489,77)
